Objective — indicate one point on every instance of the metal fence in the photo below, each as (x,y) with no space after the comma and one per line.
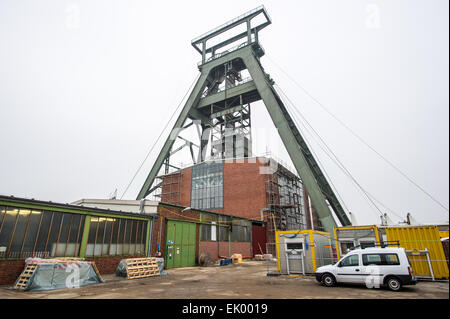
(280,265)
(271,263)
(427,259)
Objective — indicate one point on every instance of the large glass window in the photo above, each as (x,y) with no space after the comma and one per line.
(116,236)
(207,186)
(33,233)
(36,233)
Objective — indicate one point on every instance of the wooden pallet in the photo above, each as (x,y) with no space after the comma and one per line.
(96,270)
(25,276)
(141,267)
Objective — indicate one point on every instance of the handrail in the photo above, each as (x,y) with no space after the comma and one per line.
(195,40)
(223,53)
(245,80)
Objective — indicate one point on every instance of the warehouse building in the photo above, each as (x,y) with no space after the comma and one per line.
(33,228)
(180,231)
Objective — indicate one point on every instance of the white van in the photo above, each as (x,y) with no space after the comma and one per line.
(374,267)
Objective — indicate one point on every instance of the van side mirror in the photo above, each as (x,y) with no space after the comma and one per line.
(339,264)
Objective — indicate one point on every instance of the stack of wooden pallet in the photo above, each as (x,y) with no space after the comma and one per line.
(141,267)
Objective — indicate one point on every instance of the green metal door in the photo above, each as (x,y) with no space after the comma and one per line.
(180,244)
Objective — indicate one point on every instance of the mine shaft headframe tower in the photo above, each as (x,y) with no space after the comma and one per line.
(220,93)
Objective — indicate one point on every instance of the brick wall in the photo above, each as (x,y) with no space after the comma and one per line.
(176,188)
(108,265)
(244,189)
(10,270)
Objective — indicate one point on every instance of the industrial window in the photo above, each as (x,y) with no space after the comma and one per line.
(116,236)
(224,229)
(35,233)
(380,259)
(350,261)
(207,186)
(216,227)
(208,229)
(240,231)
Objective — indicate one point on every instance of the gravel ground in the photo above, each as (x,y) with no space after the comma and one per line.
(247,280)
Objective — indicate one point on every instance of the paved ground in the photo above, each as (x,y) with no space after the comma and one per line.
(247,280)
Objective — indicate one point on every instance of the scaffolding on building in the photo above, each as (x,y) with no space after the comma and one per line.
(169,188)
(284,202)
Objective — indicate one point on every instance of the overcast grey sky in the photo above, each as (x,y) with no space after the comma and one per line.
(87,86)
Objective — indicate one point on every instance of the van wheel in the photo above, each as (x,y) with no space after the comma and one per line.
(394,284)
(328,280)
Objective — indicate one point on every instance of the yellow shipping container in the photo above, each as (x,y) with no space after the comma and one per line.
(353,234)
(417,238)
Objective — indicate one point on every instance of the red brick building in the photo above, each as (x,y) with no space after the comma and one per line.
(196,233)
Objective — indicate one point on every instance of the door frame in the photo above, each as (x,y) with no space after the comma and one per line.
(166,251)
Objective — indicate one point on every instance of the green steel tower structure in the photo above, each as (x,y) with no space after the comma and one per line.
(219,104)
